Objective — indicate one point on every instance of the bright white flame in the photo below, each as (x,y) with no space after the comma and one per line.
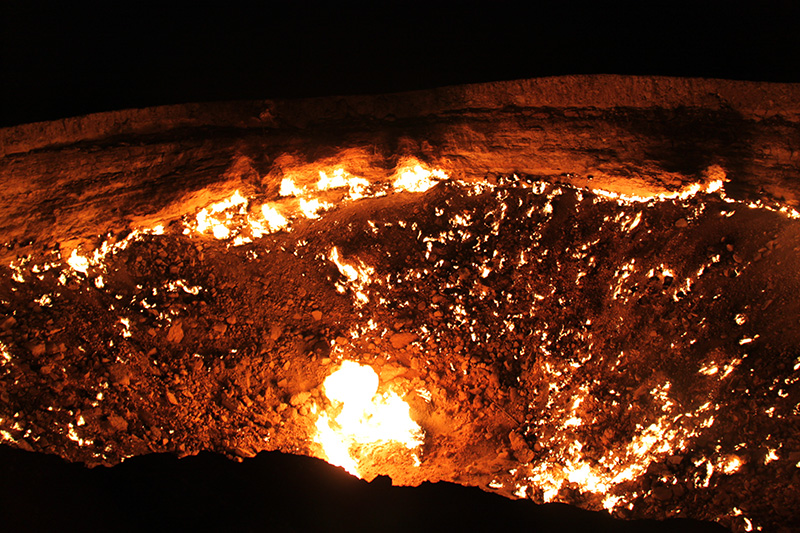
(418,179)
(275,220)
(362,420)
(311,208)
(220,231)
(288,188)
(359,276)
(333,182)
(78,262)
(218,228)
(772,455)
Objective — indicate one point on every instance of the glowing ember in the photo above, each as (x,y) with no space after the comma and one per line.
(361,421)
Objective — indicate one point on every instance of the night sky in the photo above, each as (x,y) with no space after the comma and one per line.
(60,60)
(64,60)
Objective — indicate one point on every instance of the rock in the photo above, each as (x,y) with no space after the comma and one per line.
(401,340)
(681,223)
(8,323)
(675,459)
(517,441)
(316,315)
(118,423)
(389,372)
(175,333)
(38,350)
(220,327)
(244,452)
(662,493)
(171,398)
(228,403)
(300,398)
(275,331)
(231,320)
(120,375)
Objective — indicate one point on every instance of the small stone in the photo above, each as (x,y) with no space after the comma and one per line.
(300,398)
(729,247)
(38,350)
(118,423)
(8,323)
(171,398)
(737,258)
(316,315)
(662,493)
(228,403)
(275,331)
(231,320)
(120,375)
(675,459)
(175,333)
(401,340)
(220,327)
(681,223)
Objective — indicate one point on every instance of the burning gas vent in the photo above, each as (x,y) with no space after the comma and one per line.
(621,335)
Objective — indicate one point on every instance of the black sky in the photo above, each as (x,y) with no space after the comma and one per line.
(61,60)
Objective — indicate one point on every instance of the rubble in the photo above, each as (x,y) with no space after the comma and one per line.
(554,342)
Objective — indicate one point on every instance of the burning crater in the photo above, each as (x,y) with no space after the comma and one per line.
(578,290)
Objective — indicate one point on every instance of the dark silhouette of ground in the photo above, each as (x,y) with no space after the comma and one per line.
(271,492)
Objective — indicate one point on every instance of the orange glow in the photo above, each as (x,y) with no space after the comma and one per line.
(413,177)
(361,421)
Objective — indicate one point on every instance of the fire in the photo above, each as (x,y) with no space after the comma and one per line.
(417,179)
(275,220)
(78,262)
(340,178)
(361,421)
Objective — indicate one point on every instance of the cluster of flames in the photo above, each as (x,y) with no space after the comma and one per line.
(304,197)
(361,420)
(361,423)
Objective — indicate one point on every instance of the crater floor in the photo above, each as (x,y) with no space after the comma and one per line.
(556,344)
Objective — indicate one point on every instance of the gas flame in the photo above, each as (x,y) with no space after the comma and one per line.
(361,421)
(417,179)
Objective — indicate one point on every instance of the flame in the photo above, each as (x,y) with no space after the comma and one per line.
(311,208)
(359,276)
(361,421)
(275,221)
(341,178)
(288,188)
(219,229)
(416,178)
(78,262)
